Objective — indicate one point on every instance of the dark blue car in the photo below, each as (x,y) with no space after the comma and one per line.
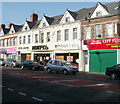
(29,64)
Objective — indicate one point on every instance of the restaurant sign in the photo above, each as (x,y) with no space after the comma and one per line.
(113,43)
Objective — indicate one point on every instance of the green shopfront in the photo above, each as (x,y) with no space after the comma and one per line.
(103,53)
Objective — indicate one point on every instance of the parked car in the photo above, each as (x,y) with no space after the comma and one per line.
(113,72)
(2,62)
(61,66)
(32,65)
(12,63)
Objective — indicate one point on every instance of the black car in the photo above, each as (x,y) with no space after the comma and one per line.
(29,64)
(113,72)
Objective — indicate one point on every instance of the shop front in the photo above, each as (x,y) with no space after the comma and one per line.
(24,53)
(70,52)
(103,53)
(41,53)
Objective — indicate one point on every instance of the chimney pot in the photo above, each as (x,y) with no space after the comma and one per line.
(33,17)
(2,26)
(9,25)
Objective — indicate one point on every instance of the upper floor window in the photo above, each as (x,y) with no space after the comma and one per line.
(74,33)
(88,32)
(36,38)
(67,19)
(20,40)
(7,42)
(26,28)
(99,13)
(66,34)
(28,38)
(48,36)
(109,30)
(59,35)
(42,37)
(44,24)
(3,43)
(14,41)
(24,39)
(98,31)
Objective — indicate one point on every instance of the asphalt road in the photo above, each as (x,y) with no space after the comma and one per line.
(34,86)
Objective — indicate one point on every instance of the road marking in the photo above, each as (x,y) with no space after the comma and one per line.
(64,80)
(37,99)
(10,89)
(22,93)
(1,86)
(94,85)
(113,92)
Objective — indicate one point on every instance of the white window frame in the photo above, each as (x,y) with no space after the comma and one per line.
(109,30)
(88,32)
(29,39)
(66,34)
(24,39)
(58,35)
(74,33)
(98,29)
(36,38)
(48,36)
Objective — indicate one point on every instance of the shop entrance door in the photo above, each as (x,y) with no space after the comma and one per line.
(99,62)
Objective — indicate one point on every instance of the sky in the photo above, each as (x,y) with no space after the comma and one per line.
(17,12)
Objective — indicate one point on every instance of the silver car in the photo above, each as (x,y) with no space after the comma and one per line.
(61,66)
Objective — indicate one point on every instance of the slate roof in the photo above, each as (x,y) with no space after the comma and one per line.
(17,27)
(6,30)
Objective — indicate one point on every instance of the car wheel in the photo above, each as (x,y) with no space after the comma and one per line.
(49,70)
(113,76)
(22,67)
(65,71)
(33,68)
(5,65)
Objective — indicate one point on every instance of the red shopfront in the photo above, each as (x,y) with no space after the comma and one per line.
(103,53)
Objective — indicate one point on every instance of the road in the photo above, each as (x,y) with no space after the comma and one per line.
(36,86)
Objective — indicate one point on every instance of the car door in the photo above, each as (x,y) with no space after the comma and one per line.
(53,65)
(58,66)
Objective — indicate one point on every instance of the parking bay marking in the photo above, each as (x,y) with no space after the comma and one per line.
(37,99)
(22,93)
(93,85)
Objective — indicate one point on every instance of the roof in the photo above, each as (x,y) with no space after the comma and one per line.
(113,8)
(17,27)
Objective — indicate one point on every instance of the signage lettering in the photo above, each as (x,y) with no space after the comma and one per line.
(40,47)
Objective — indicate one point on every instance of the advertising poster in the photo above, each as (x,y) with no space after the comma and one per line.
(59,57)
(70,58)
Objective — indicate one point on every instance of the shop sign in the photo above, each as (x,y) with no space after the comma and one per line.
(40,47)
(67,46)
(113,43)
(11,50)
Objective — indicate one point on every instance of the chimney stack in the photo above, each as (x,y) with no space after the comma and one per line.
(9,25)
(33,17)
(2,26)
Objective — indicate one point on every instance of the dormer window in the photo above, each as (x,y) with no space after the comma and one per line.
(44,24)
(67,19)
(12,31)
(26,28)
(99,13)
